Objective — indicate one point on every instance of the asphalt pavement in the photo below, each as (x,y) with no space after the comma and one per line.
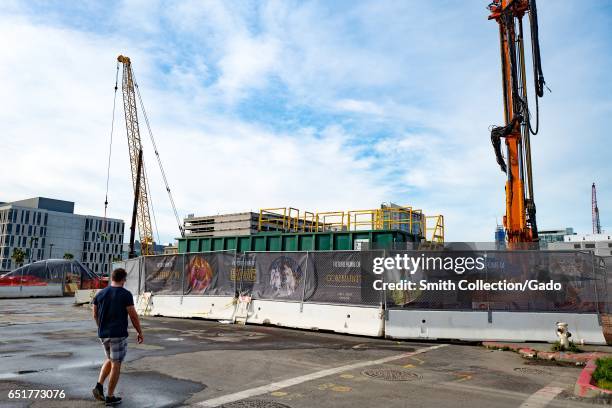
(50,344)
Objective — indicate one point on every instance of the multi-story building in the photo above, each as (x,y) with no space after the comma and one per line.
(47,228)
(554,235)
(599,244)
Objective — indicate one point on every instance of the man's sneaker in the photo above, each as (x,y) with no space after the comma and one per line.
(98,392)
(112,401)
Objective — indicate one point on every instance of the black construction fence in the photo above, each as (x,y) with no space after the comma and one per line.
(498,280)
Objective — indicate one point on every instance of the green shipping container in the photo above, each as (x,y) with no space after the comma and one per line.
(296,241)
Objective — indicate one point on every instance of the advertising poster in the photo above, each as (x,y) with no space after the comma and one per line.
(164,274)
(338,277)
(280,276)
(209,274)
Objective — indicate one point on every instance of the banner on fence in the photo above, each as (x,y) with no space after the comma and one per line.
(281,276)
(164,274)
(441,280)
(210,274)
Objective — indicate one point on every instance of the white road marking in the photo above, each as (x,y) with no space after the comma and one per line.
(542,397)
(264,389)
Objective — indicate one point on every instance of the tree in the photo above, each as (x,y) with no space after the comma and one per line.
(68,255)
(18,256)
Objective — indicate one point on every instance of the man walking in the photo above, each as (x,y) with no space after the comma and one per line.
(111,308)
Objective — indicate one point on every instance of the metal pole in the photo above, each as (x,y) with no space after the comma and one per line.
(489,312)
(383,304)
(183,280)
(304,283)
(132,253)
(595,282)
(235,272)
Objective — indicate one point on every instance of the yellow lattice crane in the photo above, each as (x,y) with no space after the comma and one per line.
(140,211)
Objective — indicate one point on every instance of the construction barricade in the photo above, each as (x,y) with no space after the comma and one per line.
(337,291)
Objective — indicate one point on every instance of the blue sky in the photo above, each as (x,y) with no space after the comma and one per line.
(315,105)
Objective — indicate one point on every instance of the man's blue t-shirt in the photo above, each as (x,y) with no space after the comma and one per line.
(112,303)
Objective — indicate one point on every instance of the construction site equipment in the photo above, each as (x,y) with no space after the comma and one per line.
(141,213)
(300,241)
(387,217)
(520,217)
(595,211)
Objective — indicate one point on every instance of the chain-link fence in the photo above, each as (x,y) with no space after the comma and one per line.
(542,281)
(462,279)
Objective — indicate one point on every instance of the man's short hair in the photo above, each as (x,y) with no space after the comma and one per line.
(119,275)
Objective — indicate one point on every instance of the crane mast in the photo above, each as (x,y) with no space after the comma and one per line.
(141,213)
(520,216)
(595,211)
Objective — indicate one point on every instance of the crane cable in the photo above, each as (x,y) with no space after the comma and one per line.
(110,146)
(146,178)
(161,167)
(110,149)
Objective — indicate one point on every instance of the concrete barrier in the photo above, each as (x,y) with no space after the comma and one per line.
(207,307)
(82,296)
(499,326)
(370,321)
(366,321)
(31,291)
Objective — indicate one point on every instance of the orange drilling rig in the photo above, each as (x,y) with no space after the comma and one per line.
(520,218)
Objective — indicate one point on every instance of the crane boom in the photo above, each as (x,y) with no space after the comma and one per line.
(520,217)
(141,213)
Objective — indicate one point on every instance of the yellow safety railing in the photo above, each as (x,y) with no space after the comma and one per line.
(309,222)
(434,230)
(289,219)
(273,217)
(370,219)
(330,221)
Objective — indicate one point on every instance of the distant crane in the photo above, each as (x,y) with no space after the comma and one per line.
(595,211)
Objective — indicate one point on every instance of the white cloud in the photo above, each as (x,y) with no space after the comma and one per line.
(56,124)
(396,98)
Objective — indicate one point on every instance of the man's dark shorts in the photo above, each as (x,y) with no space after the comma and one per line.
(115,347)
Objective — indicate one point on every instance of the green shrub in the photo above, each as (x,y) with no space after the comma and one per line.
(573,348)
(603,373)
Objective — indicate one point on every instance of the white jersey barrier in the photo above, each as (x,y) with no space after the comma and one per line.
(31,291)
(499,326)
(400,324)
(205,307)
(83,296)
(365,321)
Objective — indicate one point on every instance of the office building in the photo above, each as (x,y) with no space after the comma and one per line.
(47,228)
